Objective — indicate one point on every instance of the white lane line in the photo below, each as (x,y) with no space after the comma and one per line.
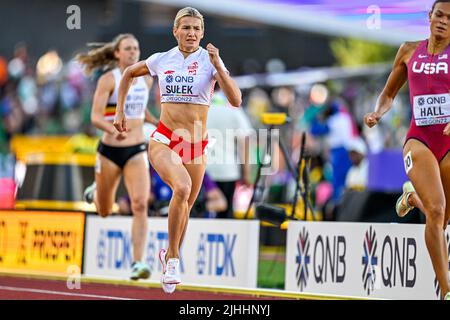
(17,289)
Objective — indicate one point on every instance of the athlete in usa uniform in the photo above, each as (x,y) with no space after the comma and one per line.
(425,64)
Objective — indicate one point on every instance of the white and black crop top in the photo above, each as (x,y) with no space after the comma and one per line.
(181,80)
(135,102)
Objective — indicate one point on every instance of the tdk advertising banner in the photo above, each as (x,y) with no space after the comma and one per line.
(214,251)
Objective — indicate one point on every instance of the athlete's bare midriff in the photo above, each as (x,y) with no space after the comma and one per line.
(186,120)
(135,135)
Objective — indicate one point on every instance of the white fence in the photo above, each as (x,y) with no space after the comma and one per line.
(376,260)
(214,252)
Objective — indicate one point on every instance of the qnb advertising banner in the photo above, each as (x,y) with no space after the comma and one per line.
(49,242)
(360,259)
(214,252)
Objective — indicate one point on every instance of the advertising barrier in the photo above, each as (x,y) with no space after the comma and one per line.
(49,242)
(375,260)
(214,251)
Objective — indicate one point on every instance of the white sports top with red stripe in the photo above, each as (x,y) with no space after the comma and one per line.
(184,80)
(135,102)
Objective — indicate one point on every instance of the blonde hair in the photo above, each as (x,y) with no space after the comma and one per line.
(188,12)
(102,57)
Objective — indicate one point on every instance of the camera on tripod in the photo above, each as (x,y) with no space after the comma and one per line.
(277,214)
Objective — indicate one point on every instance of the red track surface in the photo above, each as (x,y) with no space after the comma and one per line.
(16,288)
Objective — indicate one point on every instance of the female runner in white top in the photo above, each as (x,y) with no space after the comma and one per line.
(121,153)
(186,75)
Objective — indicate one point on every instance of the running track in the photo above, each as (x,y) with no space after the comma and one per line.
(50,287)
(23,288)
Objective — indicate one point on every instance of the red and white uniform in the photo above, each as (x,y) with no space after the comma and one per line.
(184,80)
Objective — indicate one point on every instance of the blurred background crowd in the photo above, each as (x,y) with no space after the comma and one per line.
(324,82)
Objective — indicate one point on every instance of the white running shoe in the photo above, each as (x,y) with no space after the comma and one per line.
(172,274)
(167,287)
(88,194)
(140,270)
(402,206)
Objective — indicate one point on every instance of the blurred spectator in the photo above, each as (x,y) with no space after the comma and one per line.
(318,96)
(258,102)
(227,124)
(284,101)
(47,97)
(50,95)
(18,64)
(3,72)
(210,200)
(337,127)
(358,174)
(7,182)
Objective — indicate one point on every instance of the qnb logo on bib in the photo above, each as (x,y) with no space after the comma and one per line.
(186,79)
(432,109)
(430,67)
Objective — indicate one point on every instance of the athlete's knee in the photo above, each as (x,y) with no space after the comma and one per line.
(436,213)
(104,206)
(182,189)
(139,206)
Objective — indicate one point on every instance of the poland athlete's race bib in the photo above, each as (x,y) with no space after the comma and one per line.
(432,109)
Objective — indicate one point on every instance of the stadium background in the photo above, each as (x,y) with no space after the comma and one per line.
(47,143)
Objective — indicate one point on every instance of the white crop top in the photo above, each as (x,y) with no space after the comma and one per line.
(135,102)
(181,80)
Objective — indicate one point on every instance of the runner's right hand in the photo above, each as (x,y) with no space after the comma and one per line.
(371,119)
(447,130)
(121,136)
(120,122)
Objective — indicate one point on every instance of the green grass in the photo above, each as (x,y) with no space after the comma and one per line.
(271,268)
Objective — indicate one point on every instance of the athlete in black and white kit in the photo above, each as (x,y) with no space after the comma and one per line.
(121,153)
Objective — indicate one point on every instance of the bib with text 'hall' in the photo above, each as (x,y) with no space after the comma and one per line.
(432,109)
(429,86)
